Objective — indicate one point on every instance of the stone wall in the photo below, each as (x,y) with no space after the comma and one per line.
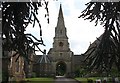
(16,68)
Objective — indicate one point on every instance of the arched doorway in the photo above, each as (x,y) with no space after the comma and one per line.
(60,68)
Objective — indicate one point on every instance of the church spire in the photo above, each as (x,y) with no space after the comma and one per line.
(60,43)
(60,30)
(60,17)
(60,12)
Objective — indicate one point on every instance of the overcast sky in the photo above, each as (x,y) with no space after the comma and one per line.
(79,31)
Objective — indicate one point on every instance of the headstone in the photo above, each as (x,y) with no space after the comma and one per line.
(105,80)
(116,80)
(98,81)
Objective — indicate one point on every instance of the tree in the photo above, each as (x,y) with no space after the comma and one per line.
(15,18)
(107,52)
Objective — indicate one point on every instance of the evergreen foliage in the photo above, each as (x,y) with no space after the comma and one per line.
(107,52)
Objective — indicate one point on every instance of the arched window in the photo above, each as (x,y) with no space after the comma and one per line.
(61,44)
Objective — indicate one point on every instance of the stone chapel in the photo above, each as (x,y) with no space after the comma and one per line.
(60,53)
(60,60)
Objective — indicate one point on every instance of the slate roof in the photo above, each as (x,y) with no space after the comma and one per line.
(37,57)
(94,44)
(42,59)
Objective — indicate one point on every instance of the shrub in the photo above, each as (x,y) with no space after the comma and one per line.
(89,80)
(33,74)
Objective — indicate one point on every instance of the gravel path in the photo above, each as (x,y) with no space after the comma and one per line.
(61,79)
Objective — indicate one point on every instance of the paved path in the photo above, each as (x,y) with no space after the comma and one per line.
(62,79)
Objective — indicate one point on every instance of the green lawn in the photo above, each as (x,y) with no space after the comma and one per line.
(84,80)
(40,80)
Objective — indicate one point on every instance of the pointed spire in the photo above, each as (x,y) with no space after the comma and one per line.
(60,17)
(60,12)
(60,30)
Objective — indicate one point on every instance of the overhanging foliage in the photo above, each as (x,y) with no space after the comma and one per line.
(16,16)
(107,52)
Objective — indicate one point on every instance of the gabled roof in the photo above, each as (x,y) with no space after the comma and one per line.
(43,59)
(93,45)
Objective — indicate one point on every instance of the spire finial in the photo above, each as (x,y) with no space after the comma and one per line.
(60,11)
(60,4)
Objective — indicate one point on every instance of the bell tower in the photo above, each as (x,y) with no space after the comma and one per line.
(61,39)
(60,54)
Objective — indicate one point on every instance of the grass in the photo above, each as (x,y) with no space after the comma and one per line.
(84,80)
(40,80)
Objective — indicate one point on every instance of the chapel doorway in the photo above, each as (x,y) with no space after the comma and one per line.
(60,68)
